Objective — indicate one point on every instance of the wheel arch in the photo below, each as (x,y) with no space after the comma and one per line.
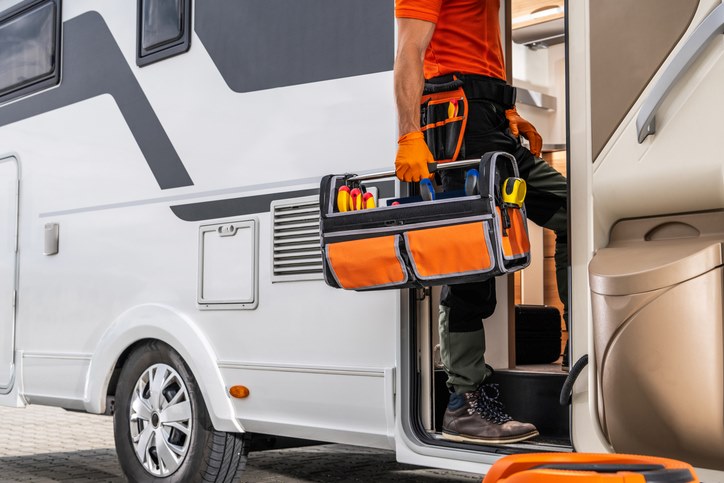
(165,324)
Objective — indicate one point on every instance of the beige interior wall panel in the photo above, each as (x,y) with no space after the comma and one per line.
(678,169)
(630,39)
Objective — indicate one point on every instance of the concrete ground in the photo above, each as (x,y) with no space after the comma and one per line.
(47,445)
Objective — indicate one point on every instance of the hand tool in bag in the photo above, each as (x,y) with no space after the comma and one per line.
(368,201)
(343,199)
(471,182)
(427,191)
(514,191)
(504,216)
(452,109)
(356,199)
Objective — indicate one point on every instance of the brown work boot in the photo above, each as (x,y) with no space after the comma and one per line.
(478,417)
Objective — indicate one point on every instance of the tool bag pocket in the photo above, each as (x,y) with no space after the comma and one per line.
(458,238)
(443,118)
(515,243)
(450,251)
(368,263)
(512,242)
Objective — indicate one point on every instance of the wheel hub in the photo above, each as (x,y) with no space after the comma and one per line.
(160,420)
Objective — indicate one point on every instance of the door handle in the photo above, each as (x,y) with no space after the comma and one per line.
(712,25)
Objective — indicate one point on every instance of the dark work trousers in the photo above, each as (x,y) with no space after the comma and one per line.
(463,307)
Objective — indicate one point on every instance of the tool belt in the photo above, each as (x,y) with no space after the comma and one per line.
(444,110)
(460,237)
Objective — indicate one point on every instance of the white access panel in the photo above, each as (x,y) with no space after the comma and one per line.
(228,265)
(8,247)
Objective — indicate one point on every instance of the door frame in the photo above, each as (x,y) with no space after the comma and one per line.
(7,386)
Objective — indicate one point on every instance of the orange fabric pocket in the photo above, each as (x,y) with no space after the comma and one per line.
(367,263)
(449,250)
(515,242)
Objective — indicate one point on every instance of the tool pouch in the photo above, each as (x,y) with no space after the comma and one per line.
(453,239)
(443,118)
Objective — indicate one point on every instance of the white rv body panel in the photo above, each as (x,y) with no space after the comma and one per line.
(127,267)
(134,165)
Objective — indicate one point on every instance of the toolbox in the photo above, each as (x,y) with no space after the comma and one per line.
(432,239)
(589,467)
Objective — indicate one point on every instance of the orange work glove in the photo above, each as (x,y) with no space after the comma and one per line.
(412,158)
(519,126)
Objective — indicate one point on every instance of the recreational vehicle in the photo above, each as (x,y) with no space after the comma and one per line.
(160,166)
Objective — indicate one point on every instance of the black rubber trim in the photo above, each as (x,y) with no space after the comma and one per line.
(567,389)
(652,473)
(601,467)
(669,476)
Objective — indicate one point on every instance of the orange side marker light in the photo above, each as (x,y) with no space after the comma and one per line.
(239,392)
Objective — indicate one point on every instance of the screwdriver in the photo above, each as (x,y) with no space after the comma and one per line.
(368,201)
(426,190)
(471,182)
(343,199)
(452,109)
(356,196)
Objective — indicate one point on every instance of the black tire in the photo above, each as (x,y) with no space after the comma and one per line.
(210,456)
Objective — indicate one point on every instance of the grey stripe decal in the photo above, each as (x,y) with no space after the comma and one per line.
(248,205)
(182,198)
(209,210)
(94,65)
(265,44)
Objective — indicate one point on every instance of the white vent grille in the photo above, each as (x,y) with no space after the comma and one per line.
(296,254)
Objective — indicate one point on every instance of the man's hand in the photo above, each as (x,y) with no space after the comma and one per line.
(412,158)
(519,126)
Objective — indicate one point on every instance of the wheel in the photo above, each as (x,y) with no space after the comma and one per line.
(162,429)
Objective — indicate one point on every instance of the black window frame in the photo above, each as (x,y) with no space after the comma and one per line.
(165,50)
(50,79)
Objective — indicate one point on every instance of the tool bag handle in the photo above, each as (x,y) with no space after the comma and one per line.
(432,167)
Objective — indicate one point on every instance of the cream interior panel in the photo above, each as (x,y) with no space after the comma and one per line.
(678,169)
(624,59)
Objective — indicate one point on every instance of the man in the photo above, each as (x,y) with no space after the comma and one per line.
(439,41)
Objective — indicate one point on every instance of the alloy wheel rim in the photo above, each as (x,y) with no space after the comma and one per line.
(160,420)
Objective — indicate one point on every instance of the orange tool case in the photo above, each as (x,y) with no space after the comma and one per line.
(587,467)
(453,239)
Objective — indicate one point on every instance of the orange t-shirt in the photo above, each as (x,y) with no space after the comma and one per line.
(466,38)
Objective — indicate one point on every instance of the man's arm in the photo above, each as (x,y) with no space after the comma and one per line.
(413,37)
(413,155)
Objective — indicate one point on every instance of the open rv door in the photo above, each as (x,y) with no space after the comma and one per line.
(647,224)
(8,253)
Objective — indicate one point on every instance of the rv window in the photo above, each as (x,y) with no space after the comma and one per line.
(29,57)
(164,29)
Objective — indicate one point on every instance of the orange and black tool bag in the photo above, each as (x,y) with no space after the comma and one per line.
(587,467)
(453,239)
